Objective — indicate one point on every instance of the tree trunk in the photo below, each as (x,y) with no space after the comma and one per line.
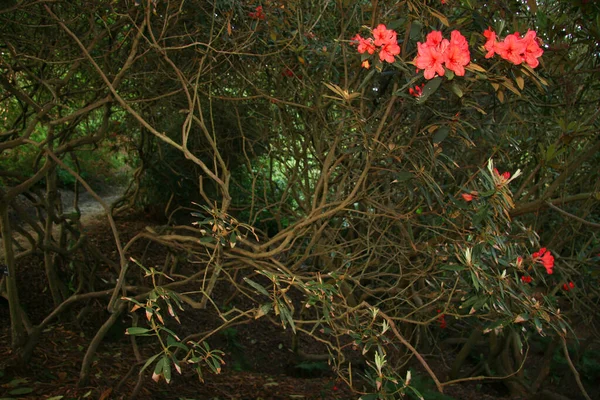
(17,330)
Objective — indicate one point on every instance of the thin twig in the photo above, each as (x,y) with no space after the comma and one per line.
(574,370)
(568,214)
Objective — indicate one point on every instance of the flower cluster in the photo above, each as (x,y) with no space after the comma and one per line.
(438,52)
(258,13)
(568,286)
(514,48)
(417,91)
(384,39)
(546,258)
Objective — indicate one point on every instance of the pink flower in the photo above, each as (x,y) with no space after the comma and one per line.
(532,49)
(258,13)
(384,39)
(388,51)
(364,45)
(434,39)
(491,43)
(384,36)
(467,197)
(417,91)
(456,59)
(430,60)
(526,279)
(457,39)
(511,49)
(545,258)
(504,176)
(515,48)
(442,320)
(437,51)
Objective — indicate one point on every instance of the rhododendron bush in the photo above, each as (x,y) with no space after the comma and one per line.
(374,176)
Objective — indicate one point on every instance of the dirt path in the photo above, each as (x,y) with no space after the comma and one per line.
(89,207)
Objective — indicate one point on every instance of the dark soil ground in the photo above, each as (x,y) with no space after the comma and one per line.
(259,364)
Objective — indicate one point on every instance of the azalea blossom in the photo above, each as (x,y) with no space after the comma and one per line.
(429,59)
(389,51)
(544,257)
(514,48)
(442,320)
(490,44)
(383,39)
(438,52)
(383,36)
(511,49)
(533,50)
(456,59)
(417,91)
(568,286)
(519,262)
(258,13)
(467,196)
(526,279)
(364,45)
(504,175)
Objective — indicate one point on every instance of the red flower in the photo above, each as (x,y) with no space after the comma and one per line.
(546,258)
(384,36)
(566,287)
(417,91)
(258,13)
(384,39)
(389,51)
(442,320)
(514,48)
(526,279)
(467,196)
(364,45)
(532,49)
(436,50)
(429,59)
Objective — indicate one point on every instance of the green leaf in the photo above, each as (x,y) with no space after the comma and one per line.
(394,25)
(370,396)
(286,316)
(149,361)
(456,90)
(429,89)
(415,29)
(441,134)
(23,390)
(138,331)
(166,369)
(257,286)
(160,366)
(172,342)
(403,176)
(453,268)
(207,239)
